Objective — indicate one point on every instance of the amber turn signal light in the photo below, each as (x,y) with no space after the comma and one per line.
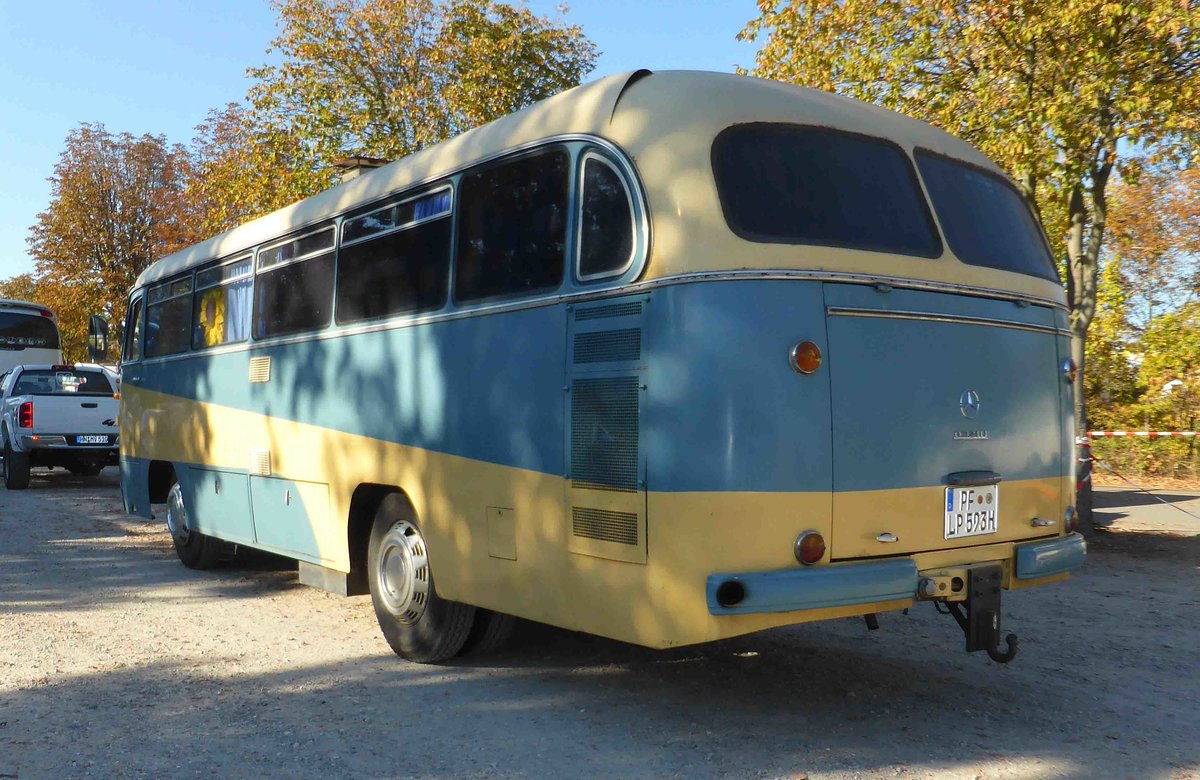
(810,547)
(805,357)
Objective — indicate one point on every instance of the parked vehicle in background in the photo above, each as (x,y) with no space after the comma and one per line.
(667,358)
(28,335)
(57,415)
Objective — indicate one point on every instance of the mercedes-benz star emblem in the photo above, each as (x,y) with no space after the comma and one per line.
(968,404)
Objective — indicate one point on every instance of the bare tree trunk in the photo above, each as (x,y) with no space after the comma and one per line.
(1082,309)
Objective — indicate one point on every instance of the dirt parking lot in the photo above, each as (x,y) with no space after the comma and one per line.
(115,661)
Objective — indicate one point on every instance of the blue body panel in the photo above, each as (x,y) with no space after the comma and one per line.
(723,411)
(817,588)
(897,383)
(1056,556)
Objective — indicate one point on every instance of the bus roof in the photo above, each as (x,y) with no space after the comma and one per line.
(666,121)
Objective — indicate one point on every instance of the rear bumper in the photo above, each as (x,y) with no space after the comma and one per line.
(849,584)
(1045,559)
(840,585)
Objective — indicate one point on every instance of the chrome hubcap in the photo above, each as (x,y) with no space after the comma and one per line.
(177,519)
(404,572)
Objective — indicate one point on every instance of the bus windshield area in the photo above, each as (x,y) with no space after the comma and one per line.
(62,382)
(18,331)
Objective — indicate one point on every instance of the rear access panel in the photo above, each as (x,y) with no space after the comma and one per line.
(934,389)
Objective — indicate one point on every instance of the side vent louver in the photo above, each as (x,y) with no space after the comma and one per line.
(604,433)
(260,463)
(611,310)
(607,526)
(260,369)
(608,346)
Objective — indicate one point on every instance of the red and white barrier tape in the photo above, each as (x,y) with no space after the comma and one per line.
(1145,434)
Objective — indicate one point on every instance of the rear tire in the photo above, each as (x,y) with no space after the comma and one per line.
(489,633)
(419,624)
(195,550)
(16,468)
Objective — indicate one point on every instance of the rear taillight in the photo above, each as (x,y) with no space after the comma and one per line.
(25,415)
(1069,370)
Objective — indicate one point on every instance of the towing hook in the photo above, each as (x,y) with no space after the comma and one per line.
(1006,656)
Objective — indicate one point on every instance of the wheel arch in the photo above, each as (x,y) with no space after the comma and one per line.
(364,503)
(159,478)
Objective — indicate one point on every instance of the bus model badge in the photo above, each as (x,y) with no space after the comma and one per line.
(970,435)
(968,404)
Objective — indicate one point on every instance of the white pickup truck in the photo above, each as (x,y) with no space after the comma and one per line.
(57,416)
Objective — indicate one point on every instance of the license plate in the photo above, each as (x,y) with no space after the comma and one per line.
(972,511)
(91,440)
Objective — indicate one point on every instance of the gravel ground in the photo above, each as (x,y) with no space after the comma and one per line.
(116,661)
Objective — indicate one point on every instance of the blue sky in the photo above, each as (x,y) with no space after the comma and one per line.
(158,66)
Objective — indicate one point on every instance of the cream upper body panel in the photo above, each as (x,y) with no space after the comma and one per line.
(666,122)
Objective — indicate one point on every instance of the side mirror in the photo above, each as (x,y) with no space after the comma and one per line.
(97,339)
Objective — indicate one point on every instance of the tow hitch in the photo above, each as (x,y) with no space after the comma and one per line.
(981,620)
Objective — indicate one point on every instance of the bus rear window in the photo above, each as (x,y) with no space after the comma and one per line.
(62,382)
(19,331)
(792,184)
(985,220)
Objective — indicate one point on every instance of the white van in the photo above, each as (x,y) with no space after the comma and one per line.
(28,335)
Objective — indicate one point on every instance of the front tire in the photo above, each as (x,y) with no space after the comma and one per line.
(419,624)
(16,468)
(195,550)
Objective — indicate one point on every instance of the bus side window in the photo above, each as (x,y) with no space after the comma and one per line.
(294,289)
(169,317)
(395,259)
(133,332)
(513,228)
(606,230)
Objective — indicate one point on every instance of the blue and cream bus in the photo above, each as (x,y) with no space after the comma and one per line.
(668,358)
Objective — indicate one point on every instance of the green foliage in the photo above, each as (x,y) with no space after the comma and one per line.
(242,168)
(385,78)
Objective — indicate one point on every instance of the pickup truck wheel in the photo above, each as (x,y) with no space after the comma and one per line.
(16,468)
(195,550)
(419,624)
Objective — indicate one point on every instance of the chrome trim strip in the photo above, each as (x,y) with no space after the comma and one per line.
(842,311)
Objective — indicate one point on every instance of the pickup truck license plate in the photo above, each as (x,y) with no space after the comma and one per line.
(972,511)
(91,440)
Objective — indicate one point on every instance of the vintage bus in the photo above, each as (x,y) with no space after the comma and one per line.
(668,358)
(28,335)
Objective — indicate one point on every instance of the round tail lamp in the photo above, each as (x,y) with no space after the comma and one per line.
(805,357)
(810,547)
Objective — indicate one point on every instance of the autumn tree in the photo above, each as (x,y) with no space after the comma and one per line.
(242,168)
(117,205)
(1052,90)
(1156,234)
(385,78)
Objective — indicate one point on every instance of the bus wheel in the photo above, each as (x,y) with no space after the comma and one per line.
(195,550)
(16,468)
(489,633)
(419,625)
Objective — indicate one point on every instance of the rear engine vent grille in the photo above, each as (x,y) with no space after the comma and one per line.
(611,310)
(607,346)
(604,433)
(620,527)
